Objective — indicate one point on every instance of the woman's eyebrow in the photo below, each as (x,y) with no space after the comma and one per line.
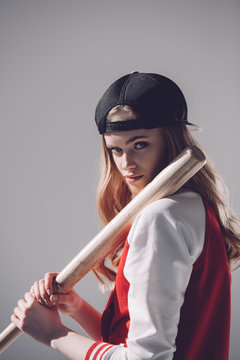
(135,138)
(132,139)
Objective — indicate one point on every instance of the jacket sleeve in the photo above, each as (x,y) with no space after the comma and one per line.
(164,243)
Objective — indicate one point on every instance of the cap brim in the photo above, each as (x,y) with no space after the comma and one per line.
(193,127)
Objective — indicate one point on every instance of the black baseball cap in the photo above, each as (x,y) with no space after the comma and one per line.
(156,99)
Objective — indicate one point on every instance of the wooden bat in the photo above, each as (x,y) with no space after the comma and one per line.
(166,183)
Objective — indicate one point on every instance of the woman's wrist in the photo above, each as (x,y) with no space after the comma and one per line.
(71,344)
(88,318)
(58,336)
(70,304)
(77,308)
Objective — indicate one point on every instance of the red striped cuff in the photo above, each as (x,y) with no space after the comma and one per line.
(97,350)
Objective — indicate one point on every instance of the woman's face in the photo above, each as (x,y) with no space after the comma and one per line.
(138,154)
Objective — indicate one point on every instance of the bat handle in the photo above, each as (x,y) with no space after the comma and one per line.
(11,333)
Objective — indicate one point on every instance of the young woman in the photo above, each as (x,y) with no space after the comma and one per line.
(171,274)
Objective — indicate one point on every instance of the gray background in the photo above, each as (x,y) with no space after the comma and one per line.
(57,57)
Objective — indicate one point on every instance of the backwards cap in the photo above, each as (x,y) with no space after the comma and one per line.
(156,99)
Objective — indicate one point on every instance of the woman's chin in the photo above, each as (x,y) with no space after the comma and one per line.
(135,189)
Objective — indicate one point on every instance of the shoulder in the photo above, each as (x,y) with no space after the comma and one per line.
(181,216)
(183,205)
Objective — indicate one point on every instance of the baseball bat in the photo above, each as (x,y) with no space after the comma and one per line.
(166,183)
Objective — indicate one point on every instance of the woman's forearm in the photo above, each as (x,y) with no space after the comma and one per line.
(71,344)
(80,311)
(89,319)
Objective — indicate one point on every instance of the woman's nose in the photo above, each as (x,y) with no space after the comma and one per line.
(128,161)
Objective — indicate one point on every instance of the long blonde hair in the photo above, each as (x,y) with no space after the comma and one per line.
(113,193)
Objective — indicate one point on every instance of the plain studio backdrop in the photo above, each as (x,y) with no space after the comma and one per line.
(57,58)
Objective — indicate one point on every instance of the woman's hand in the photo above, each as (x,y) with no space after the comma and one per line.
(43,291)
(40,322)
(70,304)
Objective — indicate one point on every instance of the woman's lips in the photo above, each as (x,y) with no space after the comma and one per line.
(133,178)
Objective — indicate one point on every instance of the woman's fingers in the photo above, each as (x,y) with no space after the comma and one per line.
(49,279)
(35,290)
(69,303)
(43,292)
(21,304)
(15,319)
(43,289)
(66,299)
(17,312)
(39,292)
(29,299)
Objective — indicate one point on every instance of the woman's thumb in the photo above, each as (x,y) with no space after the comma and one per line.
(60,299)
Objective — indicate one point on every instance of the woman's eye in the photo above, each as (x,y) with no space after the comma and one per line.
(141,145)
(116,150)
